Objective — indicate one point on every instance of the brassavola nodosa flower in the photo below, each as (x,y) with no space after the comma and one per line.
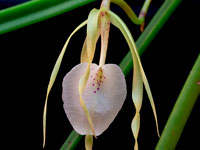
(94,94)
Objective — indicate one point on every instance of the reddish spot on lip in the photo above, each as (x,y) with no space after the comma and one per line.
(94,91)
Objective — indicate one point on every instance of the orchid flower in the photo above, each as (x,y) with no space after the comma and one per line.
(94,94)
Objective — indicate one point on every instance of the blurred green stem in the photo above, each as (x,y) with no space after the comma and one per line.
(157,22)
(181,110)
(35,11)
(143,42)
(71,141)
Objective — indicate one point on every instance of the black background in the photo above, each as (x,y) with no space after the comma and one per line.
(29,54)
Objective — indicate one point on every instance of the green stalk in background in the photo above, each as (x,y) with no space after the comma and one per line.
(150,32)
(35,11)
(181,110)
(142,43)
(71,141)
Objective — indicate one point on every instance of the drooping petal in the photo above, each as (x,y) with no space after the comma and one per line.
(139,75)
(88,142)
(92,33)
(137,20)
(84,54)
(128,10)
(104,95)
(92,37)
(53,77)
(105,29)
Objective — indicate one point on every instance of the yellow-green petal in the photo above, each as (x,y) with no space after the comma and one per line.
(92,32)
(105,29)
(88,142)
(128,11)
(53,77)
(92,37)
(84,55)
(136,93)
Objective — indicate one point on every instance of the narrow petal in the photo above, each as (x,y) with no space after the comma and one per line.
(92,37)
(53,77)
(84,55)
(148,90)
(104,95)
(138,69)
(105,29)
(137,90)
(92,32)
(88,142)
(128,10)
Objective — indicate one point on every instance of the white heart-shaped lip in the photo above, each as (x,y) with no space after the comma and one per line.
(104,95)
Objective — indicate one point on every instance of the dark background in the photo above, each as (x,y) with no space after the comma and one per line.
(29,54)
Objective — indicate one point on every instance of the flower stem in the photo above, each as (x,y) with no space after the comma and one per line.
(181,110)
(71,141)
(106,4)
